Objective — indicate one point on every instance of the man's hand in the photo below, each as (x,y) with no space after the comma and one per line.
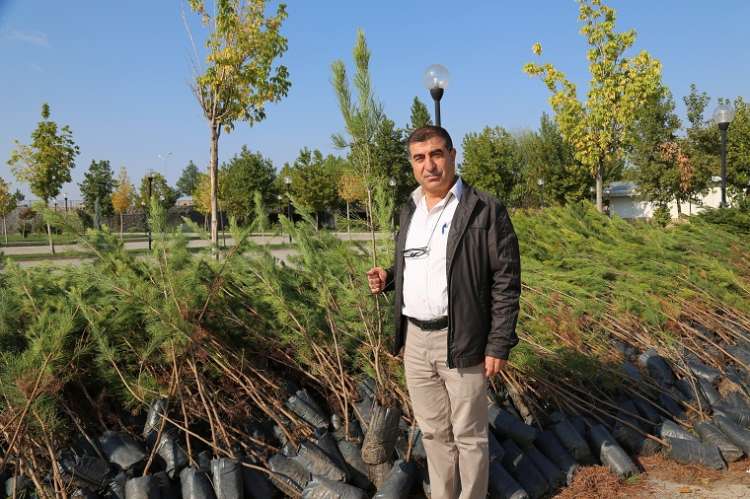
(493,365)
(376,279)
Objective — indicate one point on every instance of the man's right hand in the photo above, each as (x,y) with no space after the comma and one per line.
(376,279)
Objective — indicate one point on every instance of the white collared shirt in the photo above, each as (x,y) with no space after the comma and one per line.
(426,277)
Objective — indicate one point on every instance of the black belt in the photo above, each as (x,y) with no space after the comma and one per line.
(433,325)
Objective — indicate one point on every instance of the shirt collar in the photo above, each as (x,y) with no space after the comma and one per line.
(457,190)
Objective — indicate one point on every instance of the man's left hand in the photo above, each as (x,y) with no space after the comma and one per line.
(493,365)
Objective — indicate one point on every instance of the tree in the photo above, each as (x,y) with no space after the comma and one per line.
(315,180)
(241,176)
(8,203)
(165,195)
(601,127)
(202,196)
(420,115)
(45,164)
(492,162)
(97,187)
(351,190)
(240,77)
(738,154)
(122,197)
(188,181)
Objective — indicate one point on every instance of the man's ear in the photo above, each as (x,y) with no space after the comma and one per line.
(453,154)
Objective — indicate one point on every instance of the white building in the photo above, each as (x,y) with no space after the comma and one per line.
(624,201)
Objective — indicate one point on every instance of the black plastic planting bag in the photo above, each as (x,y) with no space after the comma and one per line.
(709,391)
(317,462)
(398,483)
(307,398)
(670,405)
(121,450)
(363,411)
(496,450)
(631,371)
(144,487)
(170,451)
(84,493)
(610,453)
(226,475)
(738,435)
(156,411)
(355,430)
(673,430)
(628,435)
(377,473)
(711,434)
(548,443)
(256,484)
(694,452)
(289,468)
(323,488)
(195,484)
(523,469)
(380,439)
(701,370)
(307,412)
(167,488)
(116,486)
(657,367)
(554,475)
(648,411)
(85,470)
(573,442)
(358,471)
(328,444)
(506,426)
(502,485)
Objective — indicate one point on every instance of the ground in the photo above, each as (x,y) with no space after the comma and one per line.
(662,479)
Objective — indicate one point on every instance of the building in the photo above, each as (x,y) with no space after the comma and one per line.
(623,200)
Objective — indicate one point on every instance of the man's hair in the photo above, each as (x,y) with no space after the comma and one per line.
(425,133)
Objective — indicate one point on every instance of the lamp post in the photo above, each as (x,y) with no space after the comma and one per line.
(65,195)
(436,78)
(392,183)
(723,116)
(288,183)
(147,207)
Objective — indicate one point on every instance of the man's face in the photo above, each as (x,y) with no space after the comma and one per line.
(433,164)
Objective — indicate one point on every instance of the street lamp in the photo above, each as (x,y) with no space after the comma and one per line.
(147,207)
(392,183)
(288,183)
(65,195)
(723,116)
(436,78)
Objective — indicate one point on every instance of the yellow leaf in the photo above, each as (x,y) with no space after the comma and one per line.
(537,48)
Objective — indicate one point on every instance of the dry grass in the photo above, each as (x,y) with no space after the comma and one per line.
(595,482)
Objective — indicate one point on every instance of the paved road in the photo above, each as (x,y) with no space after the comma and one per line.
(194,243)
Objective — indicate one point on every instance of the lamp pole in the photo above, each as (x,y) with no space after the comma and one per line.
(65,195)
(540,183)
(148,207)
(723,116)
(435,79)
(392,183)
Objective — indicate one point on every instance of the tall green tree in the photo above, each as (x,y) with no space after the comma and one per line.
(420,115)
(97,187)
(738,155)
(8,203)
(662,168)
(392,161)
(492,162)
(46,163)
(315,180)
(188,180)
(161,191)
(601,127)
(553,172)
(240,76)
(244,174)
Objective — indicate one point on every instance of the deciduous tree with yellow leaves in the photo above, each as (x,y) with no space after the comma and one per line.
(601,127)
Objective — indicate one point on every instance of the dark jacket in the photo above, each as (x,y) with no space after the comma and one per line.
(484,280)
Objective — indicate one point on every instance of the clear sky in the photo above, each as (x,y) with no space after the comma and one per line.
(118,72)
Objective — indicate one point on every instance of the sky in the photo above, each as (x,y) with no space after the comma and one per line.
(118,73)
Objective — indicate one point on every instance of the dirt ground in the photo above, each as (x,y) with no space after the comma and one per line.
(662,479)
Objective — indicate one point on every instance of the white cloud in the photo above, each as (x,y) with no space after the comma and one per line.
(33,37)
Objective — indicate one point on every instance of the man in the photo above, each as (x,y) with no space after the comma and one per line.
(457,283)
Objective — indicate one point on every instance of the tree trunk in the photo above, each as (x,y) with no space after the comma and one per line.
(120,226)
(5,231)
(679,207)
(599,189)
(213,170)
(49,235)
